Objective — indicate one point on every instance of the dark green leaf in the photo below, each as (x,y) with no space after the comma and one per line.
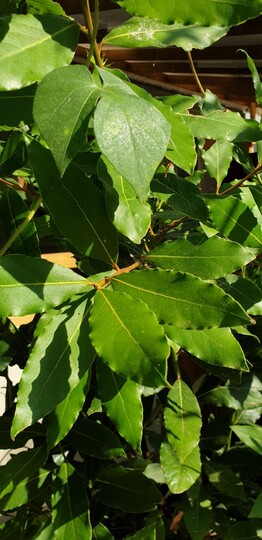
(198,515)
(223,125)
(225,480)
(246,395)
(256,511)
(248,294)
(128,490)
(182,299)
(45,6)
(17,106)
(45,43)
(94,439)
(181,195)
(180,475)
(251,436)
(100,532)
(13,212)
(135,345)
(245,530)
(255,76)
(7,7)
(13,155)
(33,432)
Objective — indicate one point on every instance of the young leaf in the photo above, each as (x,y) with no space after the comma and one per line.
(13,212)
(17,106)
(180,475)
(62,111)
(70,506)
(251,436)
(217,159)
(215,346)
(135,345)
(128,490)
(45,43)
(138,32)
(225,480)
(62,418)
(214,258)
(182,418)
(74,195)
(129,215)
(61,355)
(94,439)
(33,285)
(235,220)
(121,399)
(223,125)
(182,299)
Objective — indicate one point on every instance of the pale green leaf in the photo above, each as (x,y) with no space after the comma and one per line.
(215,346)
(129,215)
(135,346)
(62,111)
(94,439)
(126,489)
(217,159)
(121,399)
(32,46)
(60,356)
(70,507)
(225,480)
(211,259)
(223,125)
(140,32)
(251,436)
(181,299)
(75,196)
(33,285)
(180,475)
(182,419)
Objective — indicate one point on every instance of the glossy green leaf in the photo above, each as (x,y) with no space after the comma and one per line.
(255,77)
(138,32)
(70,507)
(60,357)
(74,195)
(182,300)
(256,511)
(46,532)
(180,475)
(135,346)
(257,195)
(223,125)
(225,480)
(13,212)
(178,102)
(217,159)
(129,215)
(45,43)
(182,417)
(131,133)
(211,259)
(187,11)
(62,418)
(181,195)
(181,147)
(248,294)
(62,111)
(121,399)
(94,439)
(100,532)
(235,220)
(17,106)
(128,490)
(246,395)
(33,285)
(17,475)
(251,436)
(198,515)
(245,530)
(215,346)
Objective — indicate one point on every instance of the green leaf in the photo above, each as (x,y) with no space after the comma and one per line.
(74,195)
(13,212)
(128,490)
(251,436)
(181,195)
(247,395)
(17,106)
(181,147)
(45,42)
(255,76)
(155,530)
(140,32)
(256,511)
(257,195)
(182,418)
(7,7)
(129,215)
(248,294)
(189,11)
(178,102)
(94,439)
(62,111)
(180,475)
(62,418)
(61,355)
(45,6)
(211,259)
(100,532)
(223,125)
(33,432)
(217,159)
(181,300)
(70,507)
(235,220)
(33,285)
(131,133)
(245,530)
(198,515)
(121,399)
(135,347)
(18,477)
(225,480)
(13,155)
(215,346)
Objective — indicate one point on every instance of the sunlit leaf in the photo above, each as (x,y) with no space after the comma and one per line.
(180,475)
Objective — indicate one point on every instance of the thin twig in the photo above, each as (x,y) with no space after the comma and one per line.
(15,186)
(91,28)
(22,225)
(238,184)
(202,91)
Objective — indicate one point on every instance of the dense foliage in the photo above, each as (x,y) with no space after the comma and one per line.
(141,383)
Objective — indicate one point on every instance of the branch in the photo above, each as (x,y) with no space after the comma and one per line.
(92,30)
(22,226)
(238,184)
